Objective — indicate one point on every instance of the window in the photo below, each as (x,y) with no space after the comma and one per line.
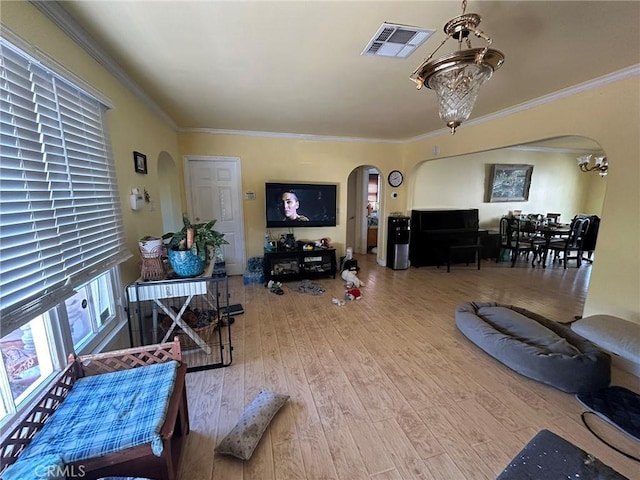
(60,223)
(38,349)
(90,308)
(27,361)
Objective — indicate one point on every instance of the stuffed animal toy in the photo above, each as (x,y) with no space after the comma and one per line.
(352,294)
(351,277)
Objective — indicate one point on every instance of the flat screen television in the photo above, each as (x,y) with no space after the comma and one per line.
(300,205)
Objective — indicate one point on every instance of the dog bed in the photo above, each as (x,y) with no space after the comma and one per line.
(535,347)
(549,456)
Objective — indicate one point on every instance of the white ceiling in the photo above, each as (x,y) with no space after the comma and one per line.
(295,66)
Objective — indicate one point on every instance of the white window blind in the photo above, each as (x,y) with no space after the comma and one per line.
(60,216)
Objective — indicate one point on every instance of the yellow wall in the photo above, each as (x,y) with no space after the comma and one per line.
(593,193)
(608,114)
(266,159)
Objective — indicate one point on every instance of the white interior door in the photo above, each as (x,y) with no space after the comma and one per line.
(214,192)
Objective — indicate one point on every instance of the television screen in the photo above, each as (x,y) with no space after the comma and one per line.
(300,205)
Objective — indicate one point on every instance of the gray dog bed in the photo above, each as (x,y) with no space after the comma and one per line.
(535,347)
(548,456)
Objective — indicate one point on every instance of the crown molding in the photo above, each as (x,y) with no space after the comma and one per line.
(59,16)
(617,76)
(293,136)
(562,150)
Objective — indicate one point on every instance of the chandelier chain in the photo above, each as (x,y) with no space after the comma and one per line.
(464,6)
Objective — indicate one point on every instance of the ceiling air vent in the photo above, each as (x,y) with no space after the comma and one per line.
(397,41)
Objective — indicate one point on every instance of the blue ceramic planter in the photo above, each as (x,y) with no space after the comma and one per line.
(185,263)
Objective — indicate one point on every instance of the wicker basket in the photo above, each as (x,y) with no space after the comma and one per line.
(152,265)
(206,333)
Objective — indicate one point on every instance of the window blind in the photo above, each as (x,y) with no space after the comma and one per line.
(60,217)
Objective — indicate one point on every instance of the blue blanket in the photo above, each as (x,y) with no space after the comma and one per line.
(102,414)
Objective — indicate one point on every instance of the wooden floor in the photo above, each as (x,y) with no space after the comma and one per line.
(386,387)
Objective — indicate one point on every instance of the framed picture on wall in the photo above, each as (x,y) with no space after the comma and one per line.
(509,183)
(140,162)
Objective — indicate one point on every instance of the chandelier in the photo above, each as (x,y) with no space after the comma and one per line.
(456,78)
(600,164)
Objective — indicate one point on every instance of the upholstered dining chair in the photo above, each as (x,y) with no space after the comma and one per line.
(574,243)
(591,238)
(513,241)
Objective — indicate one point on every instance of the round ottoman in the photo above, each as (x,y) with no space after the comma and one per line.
(535,347)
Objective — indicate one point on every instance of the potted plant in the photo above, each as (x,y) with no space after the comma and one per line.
(190,248)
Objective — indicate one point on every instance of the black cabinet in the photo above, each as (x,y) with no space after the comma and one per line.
(286,265)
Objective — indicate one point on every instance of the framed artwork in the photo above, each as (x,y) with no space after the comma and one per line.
(140,162)
(509,183)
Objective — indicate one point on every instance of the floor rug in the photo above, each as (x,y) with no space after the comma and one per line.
(616,405)
(548,456)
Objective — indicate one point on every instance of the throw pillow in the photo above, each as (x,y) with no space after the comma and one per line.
(244,437)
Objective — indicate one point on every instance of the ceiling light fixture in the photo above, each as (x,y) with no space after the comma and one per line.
(601,165)
(456,78)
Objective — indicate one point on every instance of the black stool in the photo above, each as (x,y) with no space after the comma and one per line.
(477,248)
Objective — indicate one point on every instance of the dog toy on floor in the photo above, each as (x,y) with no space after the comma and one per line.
(351,277)
(276,287)
(352,294)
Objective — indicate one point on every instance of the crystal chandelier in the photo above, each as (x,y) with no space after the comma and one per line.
(601,165)
(456,78)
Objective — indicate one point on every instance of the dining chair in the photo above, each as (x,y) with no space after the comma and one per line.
(529,229)
(591,238)
(513,240)
(574,243)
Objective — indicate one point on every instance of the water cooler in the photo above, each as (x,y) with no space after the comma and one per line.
(398,242)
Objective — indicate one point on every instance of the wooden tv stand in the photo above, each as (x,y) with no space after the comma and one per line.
(287,265)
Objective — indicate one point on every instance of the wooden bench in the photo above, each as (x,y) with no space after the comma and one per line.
(137,461)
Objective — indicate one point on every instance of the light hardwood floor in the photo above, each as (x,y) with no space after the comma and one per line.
(386,387)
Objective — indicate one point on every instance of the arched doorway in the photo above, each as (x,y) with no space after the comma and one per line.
(364,204)
(557,184)
(170,199)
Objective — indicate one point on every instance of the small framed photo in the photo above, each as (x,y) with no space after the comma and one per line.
(140,162)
